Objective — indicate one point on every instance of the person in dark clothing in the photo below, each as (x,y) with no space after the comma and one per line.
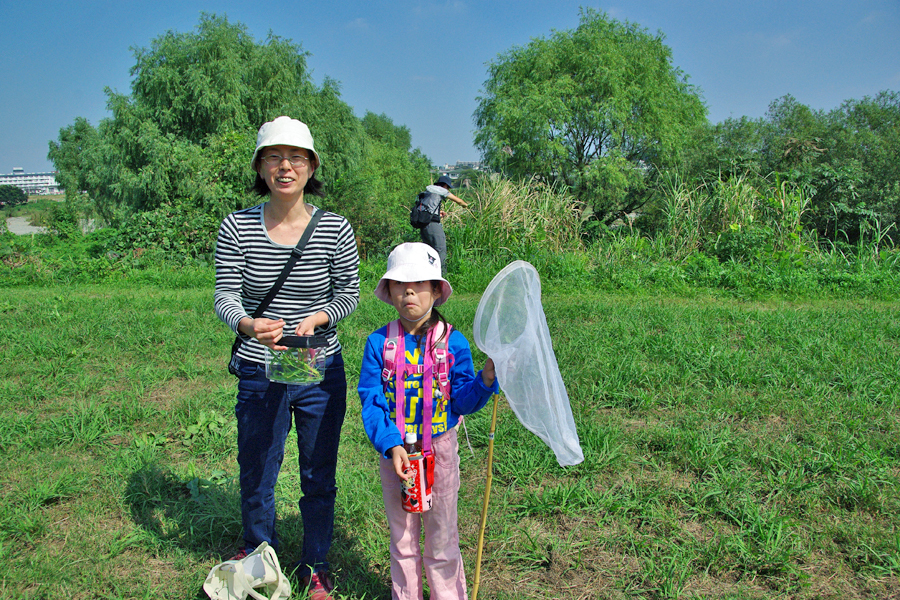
(433,233)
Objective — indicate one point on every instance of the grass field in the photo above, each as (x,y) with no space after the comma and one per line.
(732,450)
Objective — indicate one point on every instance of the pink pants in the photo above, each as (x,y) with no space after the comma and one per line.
(440,555)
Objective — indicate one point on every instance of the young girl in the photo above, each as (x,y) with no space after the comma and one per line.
(414,287)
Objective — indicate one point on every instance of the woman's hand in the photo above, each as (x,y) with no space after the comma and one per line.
(308,325)
(488,374)
(401,462)
(266,331)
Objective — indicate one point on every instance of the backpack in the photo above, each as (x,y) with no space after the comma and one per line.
(426,209)
(435,361)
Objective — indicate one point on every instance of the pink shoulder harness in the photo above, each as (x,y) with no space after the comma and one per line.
(434,361)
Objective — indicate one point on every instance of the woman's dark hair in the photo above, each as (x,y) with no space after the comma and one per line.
(313,186)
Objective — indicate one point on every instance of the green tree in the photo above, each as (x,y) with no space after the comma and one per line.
(195,97)
(378,195)
(598,108)
(180,142)
(863,148)
(11,195)
(845,159)
(382,128)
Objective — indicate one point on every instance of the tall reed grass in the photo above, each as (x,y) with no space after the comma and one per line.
(515,215)
(721,234)
(716,237)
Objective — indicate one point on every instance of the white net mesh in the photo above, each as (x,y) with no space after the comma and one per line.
(511,328)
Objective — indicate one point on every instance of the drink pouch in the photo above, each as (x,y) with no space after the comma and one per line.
(415,493)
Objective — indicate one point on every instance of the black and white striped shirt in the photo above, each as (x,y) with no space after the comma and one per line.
(325,278)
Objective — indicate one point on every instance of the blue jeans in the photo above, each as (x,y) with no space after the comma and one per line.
(264,410)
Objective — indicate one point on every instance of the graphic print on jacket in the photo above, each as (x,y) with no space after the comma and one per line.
(415,397)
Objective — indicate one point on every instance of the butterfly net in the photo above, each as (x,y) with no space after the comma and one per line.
(511,328)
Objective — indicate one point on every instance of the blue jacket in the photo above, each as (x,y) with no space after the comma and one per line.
(468,394)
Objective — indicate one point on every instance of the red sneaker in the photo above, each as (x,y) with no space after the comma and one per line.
(318,586)
(240,555)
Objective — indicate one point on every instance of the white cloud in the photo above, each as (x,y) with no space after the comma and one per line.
(772,42)
(434,9)
(873,18)
(358,24)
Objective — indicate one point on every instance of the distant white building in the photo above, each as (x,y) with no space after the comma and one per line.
(32,183)
(453,171)
(461,165)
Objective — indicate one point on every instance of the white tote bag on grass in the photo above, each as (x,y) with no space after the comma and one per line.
(238,579)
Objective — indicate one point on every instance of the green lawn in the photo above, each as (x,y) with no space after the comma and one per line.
(732,450)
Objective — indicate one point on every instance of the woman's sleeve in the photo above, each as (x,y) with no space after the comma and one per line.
(344,275)
(230,264)
(468,394)
(376,412)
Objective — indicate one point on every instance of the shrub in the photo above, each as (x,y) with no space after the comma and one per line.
(505,214)
(11,195)
(174,231)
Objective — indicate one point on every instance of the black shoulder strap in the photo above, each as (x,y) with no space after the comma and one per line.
(288,267)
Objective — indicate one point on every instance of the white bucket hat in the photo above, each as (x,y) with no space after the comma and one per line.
(413,261)
(284,131)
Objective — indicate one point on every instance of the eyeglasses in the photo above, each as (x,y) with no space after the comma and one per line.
(295,160)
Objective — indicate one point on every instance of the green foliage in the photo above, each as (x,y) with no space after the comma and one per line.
(77,156)
(215,80)
(732,220)
(590,108)
(374,177)
(721,237)
(377,196)
(63,221)
(11,195)
(212,432)
(382,128)
(340,138)
(719,436)
(516,216)
(178,146)
(843,159)
(174,232)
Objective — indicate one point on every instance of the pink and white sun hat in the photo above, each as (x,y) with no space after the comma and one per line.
(284,131)
(413,261)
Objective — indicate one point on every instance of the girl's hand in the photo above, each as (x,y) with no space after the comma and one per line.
(401,462)
(488,374)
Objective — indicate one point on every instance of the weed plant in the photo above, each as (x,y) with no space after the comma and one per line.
(724,238)
(721,238)
(732,450)
(735,395)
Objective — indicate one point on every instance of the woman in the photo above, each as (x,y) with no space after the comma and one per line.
(252,248)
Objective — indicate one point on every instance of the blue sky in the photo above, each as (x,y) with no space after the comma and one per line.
(423,63)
